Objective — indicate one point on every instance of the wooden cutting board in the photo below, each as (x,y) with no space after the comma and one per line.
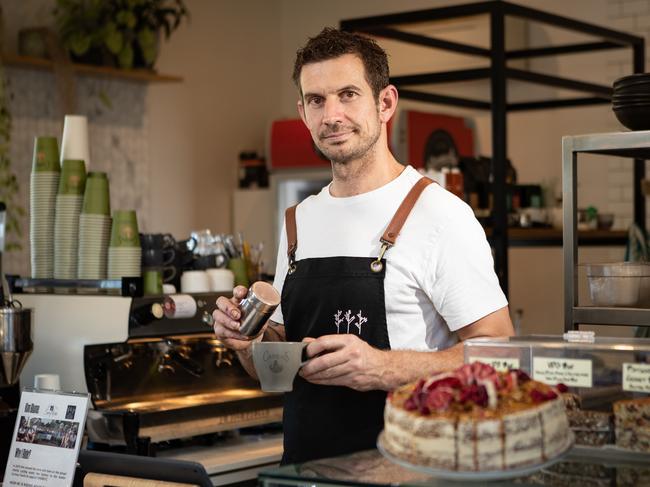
(103,480)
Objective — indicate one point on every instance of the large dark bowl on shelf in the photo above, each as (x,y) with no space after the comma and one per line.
(624,106)
(634,117)
(636,90)
(631,97)
(631,80)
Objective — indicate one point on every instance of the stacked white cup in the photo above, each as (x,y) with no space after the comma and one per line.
(74,144)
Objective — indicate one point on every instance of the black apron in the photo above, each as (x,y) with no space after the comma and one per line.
(325,296)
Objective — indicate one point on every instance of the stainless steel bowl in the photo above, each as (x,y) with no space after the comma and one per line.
(15,342)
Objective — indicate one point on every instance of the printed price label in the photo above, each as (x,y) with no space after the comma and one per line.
(499,363)
(636,377)
(569,371)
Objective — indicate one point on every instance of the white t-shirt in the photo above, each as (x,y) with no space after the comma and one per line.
(439,274)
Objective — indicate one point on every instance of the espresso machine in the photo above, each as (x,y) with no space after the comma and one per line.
(15,348)
(159,386)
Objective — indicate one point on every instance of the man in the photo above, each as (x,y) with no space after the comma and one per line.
(381,300)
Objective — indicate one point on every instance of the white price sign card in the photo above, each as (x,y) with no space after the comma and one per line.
(569,371)
(47,436)
(499,363)
(636,377)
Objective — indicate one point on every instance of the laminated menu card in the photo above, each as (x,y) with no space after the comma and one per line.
(46,439)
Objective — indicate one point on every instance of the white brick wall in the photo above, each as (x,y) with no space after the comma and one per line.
(118,139)
(631,16)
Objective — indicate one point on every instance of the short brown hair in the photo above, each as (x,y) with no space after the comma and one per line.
(331,43)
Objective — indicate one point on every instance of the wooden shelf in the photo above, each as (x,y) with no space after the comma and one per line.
(137,75)
(549,237)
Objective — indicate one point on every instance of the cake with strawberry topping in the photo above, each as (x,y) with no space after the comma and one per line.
(476,418)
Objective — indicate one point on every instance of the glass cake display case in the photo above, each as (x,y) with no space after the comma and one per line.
(588,364)
(581,467)
(607,404)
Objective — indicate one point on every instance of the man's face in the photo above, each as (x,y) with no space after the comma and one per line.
(339,108)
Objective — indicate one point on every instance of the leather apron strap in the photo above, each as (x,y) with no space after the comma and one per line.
(387,239)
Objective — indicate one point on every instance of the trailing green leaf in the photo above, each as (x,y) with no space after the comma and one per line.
(9,185)
(113,38)
(125,57)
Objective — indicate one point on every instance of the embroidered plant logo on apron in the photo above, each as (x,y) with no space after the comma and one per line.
(343,321)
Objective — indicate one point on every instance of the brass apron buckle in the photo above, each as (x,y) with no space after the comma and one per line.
(377,265)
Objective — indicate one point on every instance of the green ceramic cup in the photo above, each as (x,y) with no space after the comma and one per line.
(239,269)
(46,155)
(73,177)
(124,232)
(97,195)
(152,281)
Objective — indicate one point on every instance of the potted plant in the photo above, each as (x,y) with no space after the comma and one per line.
(124,33)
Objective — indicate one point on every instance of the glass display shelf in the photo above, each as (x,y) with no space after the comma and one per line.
(582,466)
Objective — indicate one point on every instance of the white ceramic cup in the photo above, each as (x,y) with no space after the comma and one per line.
(221,279)
(74,144)
(47,381)
(195,282)
(277,364)
(169,289)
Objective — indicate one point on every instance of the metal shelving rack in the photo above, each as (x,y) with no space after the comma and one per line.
(635,145)
(498,73)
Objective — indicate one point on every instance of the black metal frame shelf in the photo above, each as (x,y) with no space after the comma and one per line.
(498,73)
(635,145)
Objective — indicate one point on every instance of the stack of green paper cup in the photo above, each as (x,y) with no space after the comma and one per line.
(66,223)
(124,252)
(44,183)
(94,228)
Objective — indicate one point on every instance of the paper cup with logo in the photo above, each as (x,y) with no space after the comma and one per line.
(46,155)
(277,364)
(124,232)
(97,195)
(73,177)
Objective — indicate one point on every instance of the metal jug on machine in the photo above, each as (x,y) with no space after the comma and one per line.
(15,324)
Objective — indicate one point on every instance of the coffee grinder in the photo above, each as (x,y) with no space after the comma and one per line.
(15,347)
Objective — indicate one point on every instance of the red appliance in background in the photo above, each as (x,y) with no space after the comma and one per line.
(431,134)
(291,146)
